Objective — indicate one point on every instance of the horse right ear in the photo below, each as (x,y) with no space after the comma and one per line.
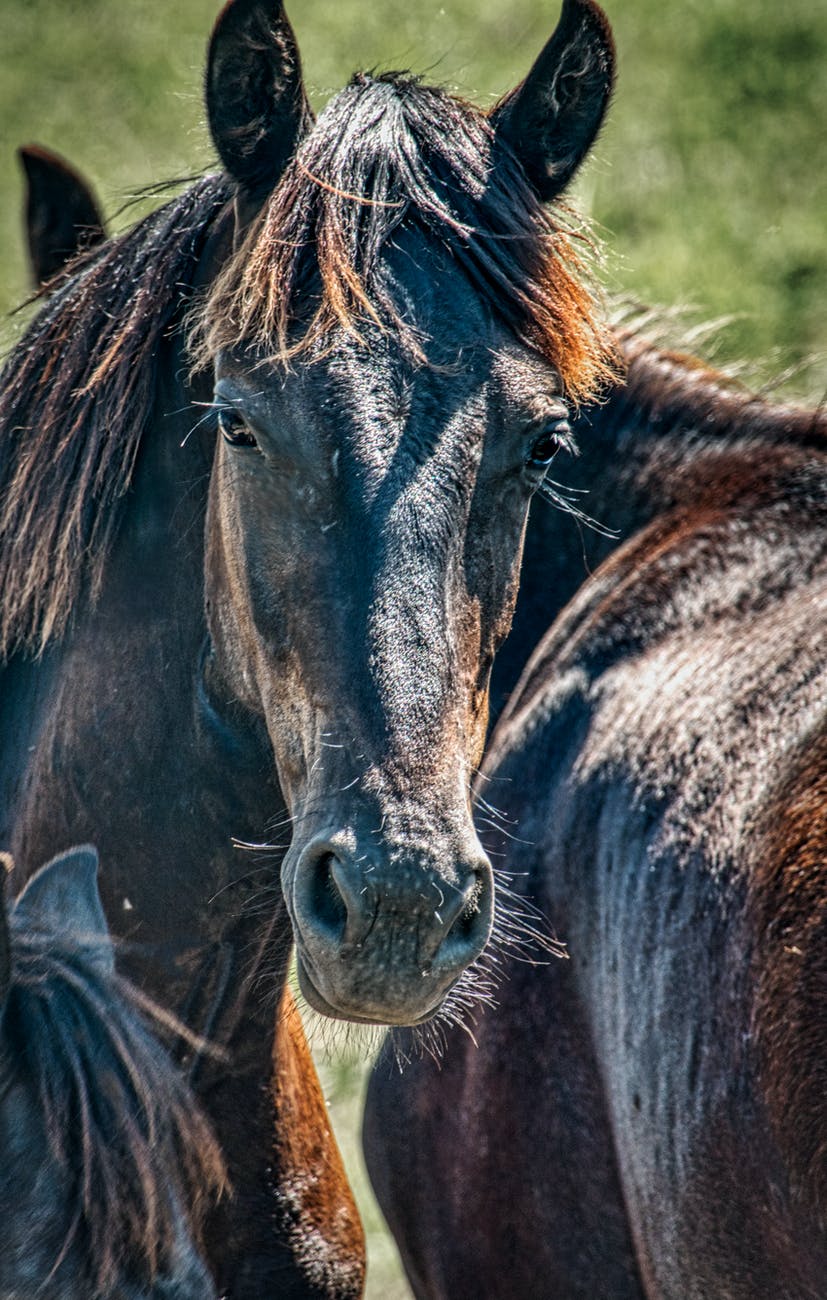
(256,104)
(551,120)
(62,214)
(62,898)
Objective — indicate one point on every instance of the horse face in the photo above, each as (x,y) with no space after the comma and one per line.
(365,531)
(369,497)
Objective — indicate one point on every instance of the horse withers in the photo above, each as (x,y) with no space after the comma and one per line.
(647,1118)
(261,599)
(106,1165)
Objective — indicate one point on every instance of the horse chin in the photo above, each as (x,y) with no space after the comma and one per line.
(388,1016)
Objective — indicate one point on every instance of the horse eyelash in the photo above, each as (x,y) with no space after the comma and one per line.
(211,410)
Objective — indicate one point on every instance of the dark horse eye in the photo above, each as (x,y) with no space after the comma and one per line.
(545,447)
(234,430)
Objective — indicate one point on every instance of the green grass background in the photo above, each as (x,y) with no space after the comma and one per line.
(709,183)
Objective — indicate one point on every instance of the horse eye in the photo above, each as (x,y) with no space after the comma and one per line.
(234,430)
(545,447)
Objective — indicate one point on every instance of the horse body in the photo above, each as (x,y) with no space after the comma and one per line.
(650,1110)
(261,599)
(631,451)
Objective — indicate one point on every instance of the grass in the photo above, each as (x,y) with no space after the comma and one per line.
(709,183)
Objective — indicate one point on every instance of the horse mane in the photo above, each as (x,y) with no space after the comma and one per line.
(120,1120)
(668,389)
(75,396)
(388,151)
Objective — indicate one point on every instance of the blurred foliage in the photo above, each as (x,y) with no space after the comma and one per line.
(709,183)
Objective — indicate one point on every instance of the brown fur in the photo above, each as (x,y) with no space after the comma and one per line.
(314,1185)
(789,900)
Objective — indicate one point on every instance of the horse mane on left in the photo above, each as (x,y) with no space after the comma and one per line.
(75,395)
(120,1120)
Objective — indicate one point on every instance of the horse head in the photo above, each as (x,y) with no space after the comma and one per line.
(395,338)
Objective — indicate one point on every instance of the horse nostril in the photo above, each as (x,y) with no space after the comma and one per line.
(324,897)
(470,928)
(463,927)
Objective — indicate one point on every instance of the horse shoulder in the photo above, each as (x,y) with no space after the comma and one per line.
(789,914)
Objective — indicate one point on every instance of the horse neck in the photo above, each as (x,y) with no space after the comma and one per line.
(670,411)
(637,452)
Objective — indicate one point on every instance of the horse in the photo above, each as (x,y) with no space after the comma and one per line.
(107,1164)
(648,1117)
(266,461)
(62,215)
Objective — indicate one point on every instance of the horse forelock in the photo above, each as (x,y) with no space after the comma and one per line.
(76,394)
(389,152)
(119,1119)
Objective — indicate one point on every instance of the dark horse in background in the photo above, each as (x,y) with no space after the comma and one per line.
(260,597)
(649,1118)
(106,1165)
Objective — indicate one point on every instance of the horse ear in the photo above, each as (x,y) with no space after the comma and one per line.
(62,214)
(256,104)
(551,120)
(6,865)
(62,898)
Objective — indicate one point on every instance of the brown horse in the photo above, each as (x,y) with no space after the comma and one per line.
(262,598)
(649,1118)
(107,1164)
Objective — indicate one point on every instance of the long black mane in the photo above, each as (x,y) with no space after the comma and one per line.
(119,1120)
(75,396)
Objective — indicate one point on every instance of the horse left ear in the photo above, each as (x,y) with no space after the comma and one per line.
(62,898)
(256,104)
(62,213)
(551,120)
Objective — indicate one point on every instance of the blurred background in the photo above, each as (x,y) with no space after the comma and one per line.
(708,185)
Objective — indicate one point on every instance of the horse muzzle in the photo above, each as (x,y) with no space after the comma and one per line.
(383,938)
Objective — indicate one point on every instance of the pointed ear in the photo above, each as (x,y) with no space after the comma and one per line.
(63,899)
(256,104)
(6,865)
(61,212)
(552,119)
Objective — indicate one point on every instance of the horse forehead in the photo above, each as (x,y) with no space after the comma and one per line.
(379,405)
(429,288)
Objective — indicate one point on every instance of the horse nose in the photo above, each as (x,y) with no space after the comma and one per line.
(384,949)
(330,902)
